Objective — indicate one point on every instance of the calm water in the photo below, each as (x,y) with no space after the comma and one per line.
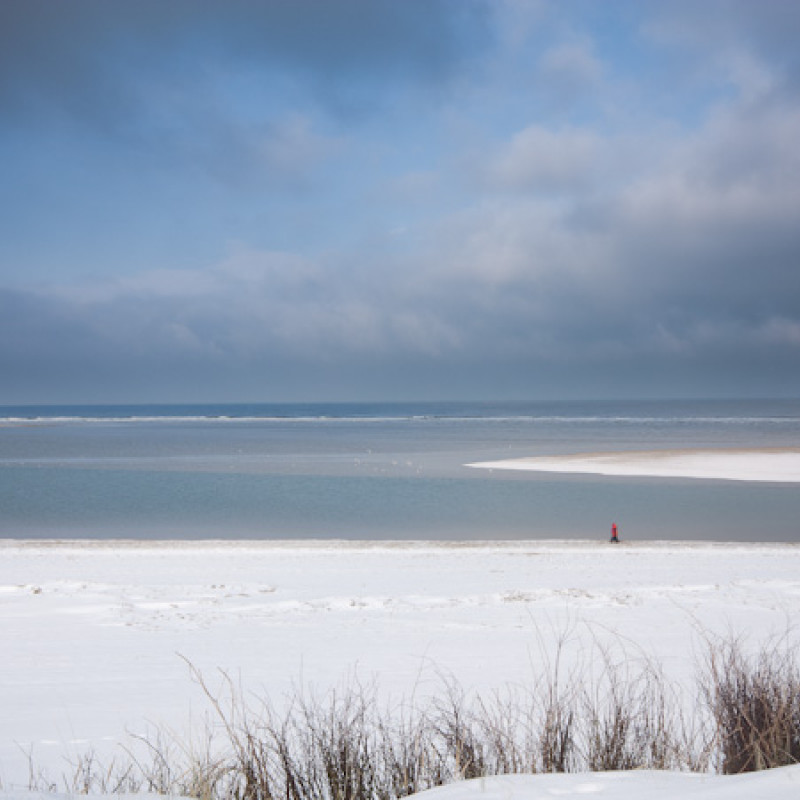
(379,471)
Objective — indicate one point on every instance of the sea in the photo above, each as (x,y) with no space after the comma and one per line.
(382,471)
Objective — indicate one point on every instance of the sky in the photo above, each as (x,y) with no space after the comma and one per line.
(233,200)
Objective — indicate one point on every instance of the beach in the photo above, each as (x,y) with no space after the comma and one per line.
(99,636)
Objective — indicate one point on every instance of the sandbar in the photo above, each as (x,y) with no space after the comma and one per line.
(769,465)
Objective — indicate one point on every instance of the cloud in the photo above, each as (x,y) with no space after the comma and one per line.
(252,305)
(80,56)
(253,95)
(770,27)
(284,154)
(539,159)
(750,46)
(568,73)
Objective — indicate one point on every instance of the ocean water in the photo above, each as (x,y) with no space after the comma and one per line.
(381,471)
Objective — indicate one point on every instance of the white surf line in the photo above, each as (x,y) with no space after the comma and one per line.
(776,466)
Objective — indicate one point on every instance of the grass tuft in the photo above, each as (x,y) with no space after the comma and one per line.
(755,703)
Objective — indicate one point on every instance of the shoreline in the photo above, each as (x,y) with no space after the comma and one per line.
(527,546)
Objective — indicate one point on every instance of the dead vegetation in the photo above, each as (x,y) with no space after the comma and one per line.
(618,714)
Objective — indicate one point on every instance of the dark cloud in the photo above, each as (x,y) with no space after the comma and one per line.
(253,95)
(730,37)
(770,26)
(101,61)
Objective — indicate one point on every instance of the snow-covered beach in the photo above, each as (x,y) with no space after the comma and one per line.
(94,632)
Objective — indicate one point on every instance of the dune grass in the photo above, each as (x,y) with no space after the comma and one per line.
(615,713)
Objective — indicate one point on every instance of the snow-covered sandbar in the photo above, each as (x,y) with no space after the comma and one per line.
(778,466)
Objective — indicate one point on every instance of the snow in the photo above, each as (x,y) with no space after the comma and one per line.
(781,466)
(95,633)
(777,784)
